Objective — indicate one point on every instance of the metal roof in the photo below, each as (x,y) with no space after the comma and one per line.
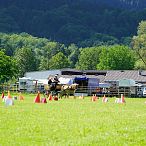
(115,75)
(65,72)
(42,74)
(104,76)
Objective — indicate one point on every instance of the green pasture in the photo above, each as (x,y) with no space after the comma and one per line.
(73,122)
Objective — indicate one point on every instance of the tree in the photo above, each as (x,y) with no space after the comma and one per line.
(58,61)
(70,21)
(73,54)
(44,63)
(141,28)
(99,39)
(7,67)
(26,60)
(139,65)
(117,58)
(139,41)
(89,58)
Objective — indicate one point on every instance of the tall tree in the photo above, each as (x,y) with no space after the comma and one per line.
(89,58)
(7,67)
(139,41)
(73,54)
(44,63)
(141,28)
(139,65)
(26,60)
(59,61)
(116,58)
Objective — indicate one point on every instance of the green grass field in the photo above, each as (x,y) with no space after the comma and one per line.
(73,122)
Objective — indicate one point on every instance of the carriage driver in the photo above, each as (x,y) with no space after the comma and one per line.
(49,81)
(52,82)
(55,80)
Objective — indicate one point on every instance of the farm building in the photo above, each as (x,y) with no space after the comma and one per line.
(87,80)
(129,82)
(63,72)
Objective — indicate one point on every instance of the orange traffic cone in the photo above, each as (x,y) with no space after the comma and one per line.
(104,99)
(56,98)
(81,97)
(122,99)
(50,97)
(3,95)
(21,97)
(94,98)
(44,100)
(37,99)
(9,96)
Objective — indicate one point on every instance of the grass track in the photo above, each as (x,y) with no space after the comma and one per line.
(73,122)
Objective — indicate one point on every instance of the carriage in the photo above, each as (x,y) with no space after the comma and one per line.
(64,87)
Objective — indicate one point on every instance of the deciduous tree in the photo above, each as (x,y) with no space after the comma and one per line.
(7,67)
(139,42)
(26,60)
(116,58)
(89,58)
(59,61)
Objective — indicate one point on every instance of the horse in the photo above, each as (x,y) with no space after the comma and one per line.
(52,89)
(62,89)
(67,90)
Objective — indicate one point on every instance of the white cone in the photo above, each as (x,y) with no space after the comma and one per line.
(9,101)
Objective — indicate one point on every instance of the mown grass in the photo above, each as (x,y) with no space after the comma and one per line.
(73,122)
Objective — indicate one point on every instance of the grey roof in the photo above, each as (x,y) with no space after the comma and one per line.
(70,69)
(42,74)
(69,72)
(104,76)
(101,78)
(115,75)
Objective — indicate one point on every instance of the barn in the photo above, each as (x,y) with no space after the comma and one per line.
(128,82)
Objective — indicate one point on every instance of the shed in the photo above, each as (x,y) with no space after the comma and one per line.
(127,87)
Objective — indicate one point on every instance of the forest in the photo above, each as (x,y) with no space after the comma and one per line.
(22,52)
(69,34)
(72,21)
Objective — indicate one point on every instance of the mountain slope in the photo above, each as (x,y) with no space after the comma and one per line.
(132,4)
(71,21)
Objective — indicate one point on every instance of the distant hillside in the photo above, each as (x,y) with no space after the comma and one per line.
(39,4)
(133,4)
(72,21)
